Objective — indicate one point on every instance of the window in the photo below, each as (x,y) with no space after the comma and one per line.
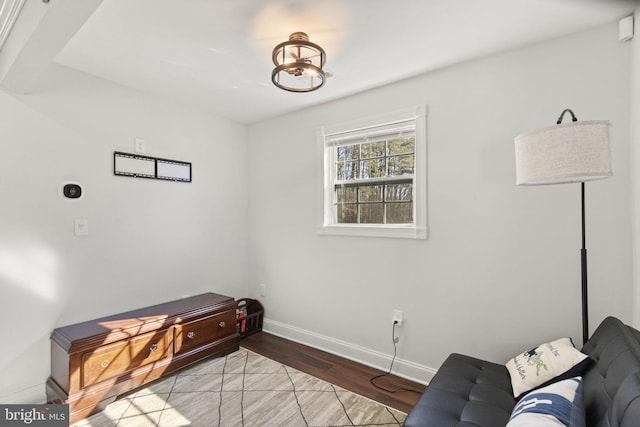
(373,176)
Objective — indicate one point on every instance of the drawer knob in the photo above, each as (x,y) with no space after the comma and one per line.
(191,335)
(222,324)
(153,347)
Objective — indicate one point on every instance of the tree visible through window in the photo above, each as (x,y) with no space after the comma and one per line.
(373,174)
(367,188)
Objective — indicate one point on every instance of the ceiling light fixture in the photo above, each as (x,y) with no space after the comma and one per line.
(299,64)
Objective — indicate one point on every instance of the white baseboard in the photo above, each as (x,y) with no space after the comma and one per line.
(32,395)
(402,368)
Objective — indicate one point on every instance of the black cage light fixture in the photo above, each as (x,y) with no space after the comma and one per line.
(299,64)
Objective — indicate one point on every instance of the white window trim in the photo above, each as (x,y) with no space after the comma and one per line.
(418,230)
(9,11)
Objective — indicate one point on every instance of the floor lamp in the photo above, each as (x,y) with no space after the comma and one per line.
(566,153)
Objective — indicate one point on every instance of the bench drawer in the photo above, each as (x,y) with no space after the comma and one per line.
(191,335)
(114,359)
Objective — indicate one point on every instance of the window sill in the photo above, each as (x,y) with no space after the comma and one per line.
(402,232)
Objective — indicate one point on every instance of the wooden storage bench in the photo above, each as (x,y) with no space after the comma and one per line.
(95,361)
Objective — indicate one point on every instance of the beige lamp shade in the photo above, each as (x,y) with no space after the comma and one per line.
(571,152)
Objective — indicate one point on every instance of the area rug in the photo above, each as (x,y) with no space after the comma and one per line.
(243,389)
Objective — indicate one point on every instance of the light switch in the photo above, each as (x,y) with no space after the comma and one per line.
(82,227)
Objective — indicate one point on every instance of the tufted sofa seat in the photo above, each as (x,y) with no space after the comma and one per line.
(469,392)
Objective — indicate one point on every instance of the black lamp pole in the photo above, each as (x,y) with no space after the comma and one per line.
(583,252)
(583,264)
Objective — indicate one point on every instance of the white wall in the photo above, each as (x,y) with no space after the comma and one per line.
(150,241)
(501,269)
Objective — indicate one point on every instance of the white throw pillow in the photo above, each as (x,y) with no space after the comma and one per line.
(545,364)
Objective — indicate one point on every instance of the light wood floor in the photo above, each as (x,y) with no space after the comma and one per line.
(397,392)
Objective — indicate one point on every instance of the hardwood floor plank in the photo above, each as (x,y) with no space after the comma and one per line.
(402,394)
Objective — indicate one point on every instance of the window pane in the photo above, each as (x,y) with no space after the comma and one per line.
(373,149)
(371,193)
(399,192)
(401,165)
(346,194)
(372,213)
(347,213)
(346,170)
(348,152)
(373,168)
(402,145)
(399,213)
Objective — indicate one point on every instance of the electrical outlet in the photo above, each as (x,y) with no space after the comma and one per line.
(398,317)
(138,145)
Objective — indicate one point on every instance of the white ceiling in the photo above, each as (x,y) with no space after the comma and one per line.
(216,54)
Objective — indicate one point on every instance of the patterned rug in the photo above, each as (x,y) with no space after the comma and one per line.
(243,389)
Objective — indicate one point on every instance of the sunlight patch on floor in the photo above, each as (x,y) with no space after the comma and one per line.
(247,389)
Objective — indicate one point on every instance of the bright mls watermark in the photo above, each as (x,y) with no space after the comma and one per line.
(34,415)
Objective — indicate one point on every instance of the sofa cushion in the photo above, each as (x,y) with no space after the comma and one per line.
(547,363)
(615,351)
(559,404)
(466,392)
(625,408)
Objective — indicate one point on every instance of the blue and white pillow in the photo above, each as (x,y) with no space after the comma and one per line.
(558,404)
